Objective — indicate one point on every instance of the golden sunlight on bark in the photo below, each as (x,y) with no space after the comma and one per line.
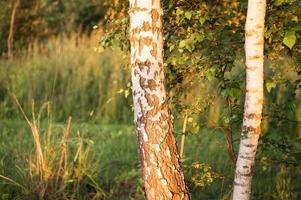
(162,175)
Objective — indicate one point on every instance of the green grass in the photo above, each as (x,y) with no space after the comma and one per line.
(111,167)
(108,165)
(71,75)
(64,77)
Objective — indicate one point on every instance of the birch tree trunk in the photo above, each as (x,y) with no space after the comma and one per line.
(161,171)
(254,44)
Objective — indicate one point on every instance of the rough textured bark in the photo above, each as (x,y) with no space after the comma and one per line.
(254,44)
(161,171)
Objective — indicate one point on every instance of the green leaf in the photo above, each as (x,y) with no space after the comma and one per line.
(171,47)
(210,74)
(234,92)
(182,44)
(188,15)
(268,32)
(270,85)
(281,2)
(115,43)
(289,39)
(198,37)
(126,93)
(195,128)
(124,20)
(190,119)
(294,18)
(224,93)
(120,91)
(189,44)
(231,92)
(296,28)
(181,60)
(227,120)
(4,196)
(202,20)
(179,11)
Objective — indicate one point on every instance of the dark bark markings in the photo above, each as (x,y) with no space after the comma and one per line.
(158,151)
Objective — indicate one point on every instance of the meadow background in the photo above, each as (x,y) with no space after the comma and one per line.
(66,129)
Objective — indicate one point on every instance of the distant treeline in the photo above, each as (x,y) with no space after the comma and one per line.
(40,19)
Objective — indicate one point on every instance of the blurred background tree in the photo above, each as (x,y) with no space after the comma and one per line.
(38,20)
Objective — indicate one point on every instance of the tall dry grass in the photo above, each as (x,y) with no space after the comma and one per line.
(60,165)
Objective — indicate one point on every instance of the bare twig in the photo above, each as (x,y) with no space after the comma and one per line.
(229,136)
(183,137)
(10,38)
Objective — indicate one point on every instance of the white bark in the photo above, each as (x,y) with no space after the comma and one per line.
(254,45)
(161,171)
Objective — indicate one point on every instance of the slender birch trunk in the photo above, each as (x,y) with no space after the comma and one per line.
(254,45)
(161,171)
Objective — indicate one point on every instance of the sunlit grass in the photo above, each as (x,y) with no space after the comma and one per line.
(102,163)
(57,166)
(44,153)
(68,72)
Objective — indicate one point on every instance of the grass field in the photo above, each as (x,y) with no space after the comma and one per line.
(103,164)
(94,155)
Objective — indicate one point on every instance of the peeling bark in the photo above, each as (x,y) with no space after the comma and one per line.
(161,170)
(254,44)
